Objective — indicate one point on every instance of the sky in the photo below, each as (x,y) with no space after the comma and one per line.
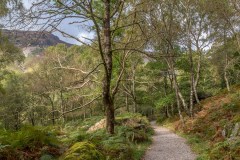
(74,30)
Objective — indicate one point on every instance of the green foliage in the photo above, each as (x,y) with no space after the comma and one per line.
(36,141)
(165,101)
(29,137)
(8,52)
(82,151)
(131,138)
(117,148)
(225,150)
(47,157)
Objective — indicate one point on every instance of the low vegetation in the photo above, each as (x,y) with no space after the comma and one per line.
(214,132)
(73,142)
(164,59)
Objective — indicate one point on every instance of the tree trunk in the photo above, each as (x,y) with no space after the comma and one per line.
(133,89)
(225,73)
(175,86)
(226,64)
(135,110)
(179,93)
(107,98)
(53,110)
(32,118)
(126,101)
(62,105)
(197,77)
(191,78)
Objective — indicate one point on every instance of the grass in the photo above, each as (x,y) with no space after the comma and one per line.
(140,149)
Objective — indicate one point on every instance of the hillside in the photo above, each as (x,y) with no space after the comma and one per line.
(214,132)
(32,38)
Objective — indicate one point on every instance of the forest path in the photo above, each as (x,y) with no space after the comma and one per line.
(168,146)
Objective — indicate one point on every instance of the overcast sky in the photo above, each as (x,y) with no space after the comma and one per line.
(74,30)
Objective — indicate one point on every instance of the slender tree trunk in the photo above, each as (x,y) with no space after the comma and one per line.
(177,90)
(90,112)
(84,114)
(53,110)
(188,28)
(126,101)
(180,94)
(135,110)
(32,118)
(178,104)
(62,105)
(225,73)
(226,63)
(167,112)
(175,86)
(172,109)
(191,78)
(197,77)
(107,99)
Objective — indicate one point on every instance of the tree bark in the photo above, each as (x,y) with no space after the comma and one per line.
(107,98)
(126,101)
(225,73)
(197,77)
(175,86)
(191,77)
(53,110)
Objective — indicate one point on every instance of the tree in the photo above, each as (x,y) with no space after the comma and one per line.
(105,18)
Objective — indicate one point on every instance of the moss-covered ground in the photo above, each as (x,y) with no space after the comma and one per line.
(72,141)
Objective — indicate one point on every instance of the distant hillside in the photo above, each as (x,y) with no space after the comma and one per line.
(24,39)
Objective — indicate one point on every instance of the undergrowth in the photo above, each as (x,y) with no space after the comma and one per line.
(214,133)
(72,141)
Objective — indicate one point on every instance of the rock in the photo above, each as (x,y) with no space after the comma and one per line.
(99,125)
(236,130)
(226,133)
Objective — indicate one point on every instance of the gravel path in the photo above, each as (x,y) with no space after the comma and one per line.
(168,146)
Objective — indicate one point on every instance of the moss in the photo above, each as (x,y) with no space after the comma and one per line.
(82,151)
(117,148)
(47,157)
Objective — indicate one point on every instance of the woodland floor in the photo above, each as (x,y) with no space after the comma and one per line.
(168,146)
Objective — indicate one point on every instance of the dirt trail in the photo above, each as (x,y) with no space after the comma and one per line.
(168,146)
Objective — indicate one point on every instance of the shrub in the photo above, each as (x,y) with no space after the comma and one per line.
(82,151)
(28,143)
(117,148)
(31,137)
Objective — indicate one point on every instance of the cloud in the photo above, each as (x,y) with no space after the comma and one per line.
(27,3)
(77,31)
(86,37)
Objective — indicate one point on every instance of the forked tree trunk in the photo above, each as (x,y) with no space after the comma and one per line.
(175,86)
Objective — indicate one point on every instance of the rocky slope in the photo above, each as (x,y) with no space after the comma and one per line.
(32,38)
